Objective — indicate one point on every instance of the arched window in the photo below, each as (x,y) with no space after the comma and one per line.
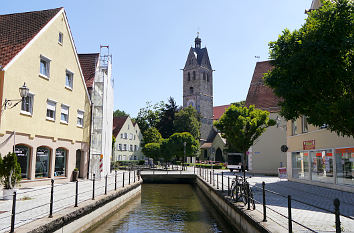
(191,90)
(23,157)
(203,75)
(193,75)
(189,76)
(42,162)
(60,162)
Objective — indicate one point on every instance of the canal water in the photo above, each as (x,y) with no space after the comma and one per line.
(166,208)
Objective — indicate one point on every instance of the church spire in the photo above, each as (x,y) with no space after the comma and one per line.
(198,41)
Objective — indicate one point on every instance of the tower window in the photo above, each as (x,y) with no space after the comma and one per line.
(191,90)
(203,76)
(193,75)
(189,76)
(207,77)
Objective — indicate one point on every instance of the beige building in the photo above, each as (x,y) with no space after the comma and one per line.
(128,140)
(48,129)
(265,155)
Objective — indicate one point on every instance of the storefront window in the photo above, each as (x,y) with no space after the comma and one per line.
(23,153)
(300,165)
(42,162)
(345,166)
(322,166)
(60,160)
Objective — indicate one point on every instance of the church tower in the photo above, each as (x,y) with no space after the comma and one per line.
(198,87)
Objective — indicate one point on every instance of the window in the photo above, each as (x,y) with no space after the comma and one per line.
(193,75)
(191,90)
(131,136)
(305,126)
(64,117)
(44,66)
(125,135)
(80,118)
(134,137)
(69,79)
(131,147)
(51,106)
(204,76)
(60,162)
(121,135)
(120,147)
(189,76)
(125,147)
(42,162)
(60,38)
(294,127)
(128,126)
(27,104)
(207,77)
(135,147)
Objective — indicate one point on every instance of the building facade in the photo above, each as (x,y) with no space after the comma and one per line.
(198,88)
(128,140)
(49,129)
(97,70)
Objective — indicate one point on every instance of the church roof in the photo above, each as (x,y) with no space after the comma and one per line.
(259,94)
(17,30)
(88,64)
(199,54)
(218,111)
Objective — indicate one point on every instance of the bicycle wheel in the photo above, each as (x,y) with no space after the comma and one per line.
(252,200)
(243,195)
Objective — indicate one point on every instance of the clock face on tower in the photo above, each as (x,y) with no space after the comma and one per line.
(191,102)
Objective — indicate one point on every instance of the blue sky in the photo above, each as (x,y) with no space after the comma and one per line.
(150,40)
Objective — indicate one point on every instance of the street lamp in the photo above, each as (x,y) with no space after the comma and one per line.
(12,103)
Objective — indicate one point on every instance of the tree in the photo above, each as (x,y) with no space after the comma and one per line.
(188,120)
(313,68)
(167,116)
(176,147)
(240,103)
(10,171)
(152,150)
(118,113)
(113,142)
(149,116)
(241,126)
(152,135)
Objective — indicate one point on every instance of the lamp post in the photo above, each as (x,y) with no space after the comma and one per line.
(12,103)
(184,145)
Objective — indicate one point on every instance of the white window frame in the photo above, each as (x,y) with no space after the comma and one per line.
(60,38)
(131,147)
(303,121)
(80,116)
(30,112)
(120,146)
(125,135)
(51,106)
(69,74)
(47,62)
(125,147)
(293,127)
(64,112)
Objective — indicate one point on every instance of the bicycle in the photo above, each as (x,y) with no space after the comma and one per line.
(241,191)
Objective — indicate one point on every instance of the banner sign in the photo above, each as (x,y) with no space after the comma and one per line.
(309,145)
(282,173)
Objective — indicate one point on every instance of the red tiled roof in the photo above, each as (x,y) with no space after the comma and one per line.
(17,30)
(259,94)
(88,64)
(219,110)
(118,123)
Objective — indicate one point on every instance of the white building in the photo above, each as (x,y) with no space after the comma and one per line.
(98,77)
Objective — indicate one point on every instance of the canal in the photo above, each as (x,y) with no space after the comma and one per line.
(166,208)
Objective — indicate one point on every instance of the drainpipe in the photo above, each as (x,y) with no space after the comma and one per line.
(89,151)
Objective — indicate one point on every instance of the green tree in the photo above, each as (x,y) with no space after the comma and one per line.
(313,68)
(167,116)
(152,150)
(152,135)
(240,103)
(10,171)
(241,126)
(165,150)
(149,116)
(188,120)
(113,142)
(176,147)
(118,113)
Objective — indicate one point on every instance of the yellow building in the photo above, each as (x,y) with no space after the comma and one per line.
(49,129)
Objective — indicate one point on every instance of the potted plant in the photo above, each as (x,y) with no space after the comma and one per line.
(75,174)
(10,174)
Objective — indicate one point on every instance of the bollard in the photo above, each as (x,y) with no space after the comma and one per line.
(93,187)
(217,181)
(210,177)
(115,180)
(228,185)
(76,193)
(264,203)
(138,174)
(129,178)
(248,197)
(134,176)
(289,215)
(123,179)
(336,203)
(13,214)
(51,199)
(213,178)
(105,185)
(222,181)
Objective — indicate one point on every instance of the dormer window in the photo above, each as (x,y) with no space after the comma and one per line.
(191,90)
(60,38)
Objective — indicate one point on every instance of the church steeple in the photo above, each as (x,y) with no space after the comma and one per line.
(198,42)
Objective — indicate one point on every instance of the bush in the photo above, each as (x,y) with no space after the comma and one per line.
(10,171)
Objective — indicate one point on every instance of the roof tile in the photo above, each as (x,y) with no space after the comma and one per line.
(88,64)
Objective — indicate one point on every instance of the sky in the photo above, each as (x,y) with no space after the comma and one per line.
(150,40)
